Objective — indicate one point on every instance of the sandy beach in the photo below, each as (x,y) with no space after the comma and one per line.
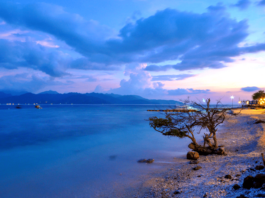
(244,142)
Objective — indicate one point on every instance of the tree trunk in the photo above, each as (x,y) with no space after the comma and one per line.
(194,142)
(215,141)
(207,140)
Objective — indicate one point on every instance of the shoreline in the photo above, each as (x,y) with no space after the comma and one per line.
(244,142)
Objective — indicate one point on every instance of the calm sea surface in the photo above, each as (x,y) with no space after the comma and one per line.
(78,150)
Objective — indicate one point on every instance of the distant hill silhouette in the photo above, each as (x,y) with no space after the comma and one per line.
(49,92)
(78,98)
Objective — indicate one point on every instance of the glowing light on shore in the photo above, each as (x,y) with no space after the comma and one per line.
(262,101)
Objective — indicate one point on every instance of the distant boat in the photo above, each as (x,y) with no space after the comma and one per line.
(38,107)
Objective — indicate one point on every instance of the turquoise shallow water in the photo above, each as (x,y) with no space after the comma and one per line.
(78,150)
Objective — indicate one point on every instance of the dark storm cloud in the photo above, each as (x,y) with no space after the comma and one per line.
(250,89)
(171,77)
(242,4)
(207,40)
(27,54)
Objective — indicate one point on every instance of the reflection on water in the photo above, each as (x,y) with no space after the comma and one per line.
(78,150)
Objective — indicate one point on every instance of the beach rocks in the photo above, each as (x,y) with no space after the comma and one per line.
(254,182)
(176,192)
(241,196)
(259,121)
(149,161)
(193,155)
(221,151)
(197,168)
(251,169)
(259,180)
(236,187)
(260,195)
(259,167)
(192,146)
(248,182)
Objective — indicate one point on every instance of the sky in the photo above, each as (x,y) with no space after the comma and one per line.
(159,49)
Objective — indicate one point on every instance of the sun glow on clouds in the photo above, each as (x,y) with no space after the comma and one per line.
(13,35)
(241,73)
(47,44)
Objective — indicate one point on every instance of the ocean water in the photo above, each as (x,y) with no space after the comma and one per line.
(79,150)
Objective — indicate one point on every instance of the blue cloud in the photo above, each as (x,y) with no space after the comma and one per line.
(171,77)
(210,39)
(261,3)
(188,91)
(140,83)
(250,89)
(157,68)
(91,79)
(27,54)
(242,4)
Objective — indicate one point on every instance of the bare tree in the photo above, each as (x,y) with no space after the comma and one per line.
(185,124)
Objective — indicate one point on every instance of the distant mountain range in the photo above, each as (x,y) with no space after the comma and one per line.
(54,97)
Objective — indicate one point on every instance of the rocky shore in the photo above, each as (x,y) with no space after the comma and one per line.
(215,176)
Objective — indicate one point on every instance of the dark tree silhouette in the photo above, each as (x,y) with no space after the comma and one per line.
(185,124)
(258,95)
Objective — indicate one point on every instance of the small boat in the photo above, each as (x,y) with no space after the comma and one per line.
(38,107)
(18,107)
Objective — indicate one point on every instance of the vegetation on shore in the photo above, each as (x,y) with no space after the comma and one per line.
(186,124)
(258,95)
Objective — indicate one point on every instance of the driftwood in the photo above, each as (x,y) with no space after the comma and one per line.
(259,121)
(202,150)
(263,159)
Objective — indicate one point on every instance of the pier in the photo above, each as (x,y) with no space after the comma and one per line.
(175,110)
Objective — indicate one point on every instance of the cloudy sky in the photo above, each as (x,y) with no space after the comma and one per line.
(166,49)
